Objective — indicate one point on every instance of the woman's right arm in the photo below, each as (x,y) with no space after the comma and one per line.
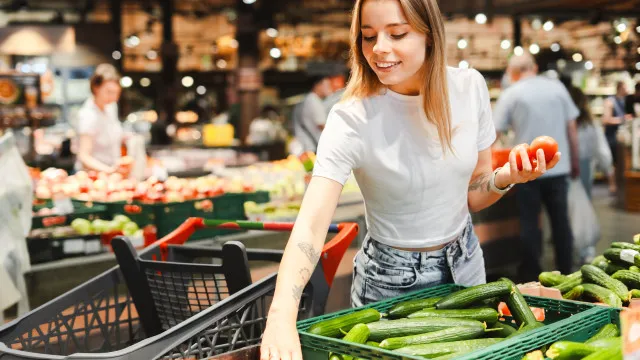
(280,339)
(84,155)
(607,116)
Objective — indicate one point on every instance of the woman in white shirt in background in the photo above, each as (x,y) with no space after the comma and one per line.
(417,136)
(99,130)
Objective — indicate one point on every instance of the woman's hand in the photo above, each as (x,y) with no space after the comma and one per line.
(509,173)
(280,340)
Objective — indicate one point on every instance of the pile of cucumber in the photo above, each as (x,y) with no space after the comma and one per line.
(606,344)
(436,328)
(612,278)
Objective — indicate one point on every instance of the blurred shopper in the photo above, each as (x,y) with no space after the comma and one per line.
(309,116)
(633,103)
(266,128)
(417,136)
(613,117)
(533,106)
(99,130)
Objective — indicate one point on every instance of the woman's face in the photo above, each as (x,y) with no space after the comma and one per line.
(393,49)
(107,93)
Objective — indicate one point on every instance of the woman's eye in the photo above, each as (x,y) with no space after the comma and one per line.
(399,36)
(368,38)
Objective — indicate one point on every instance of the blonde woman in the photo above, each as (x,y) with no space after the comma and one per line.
(417,136)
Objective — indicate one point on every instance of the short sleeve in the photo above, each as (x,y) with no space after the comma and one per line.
(486,128)
(572,111)
(340,148)
(502,112)
(87,122)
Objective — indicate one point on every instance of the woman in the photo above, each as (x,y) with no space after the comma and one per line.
(417,136)
(99,129)
(613,117)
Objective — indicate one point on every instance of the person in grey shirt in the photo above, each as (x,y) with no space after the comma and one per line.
(309,116)
(533,106)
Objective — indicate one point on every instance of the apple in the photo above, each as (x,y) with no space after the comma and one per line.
(99,226)
(81,226)
(121,220)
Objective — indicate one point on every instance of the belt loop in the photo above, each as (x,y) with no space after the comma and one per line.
(462,243)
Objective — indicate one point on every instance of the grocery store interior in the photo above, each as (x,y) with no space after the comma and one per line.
(134,130)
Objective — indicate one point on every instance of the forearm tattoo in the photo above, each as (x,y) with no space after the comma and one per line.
(304,274)
(481,183)
(309,252)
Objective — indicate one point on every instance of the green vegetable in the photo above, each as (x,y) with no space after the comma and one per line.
(403,327)
(502,330)
(481,314)
(526,328)
(597,276)
(567,350)
(534,355)
(626,256)
(549,279)
(519,308)
(574,294)
(466,297)
(601,294)
(405,308)
(628,277)
(331,327)
(634,294)
(625,245)
(612,353)
(440,349)
(569,284)
(373,343)
(605,332)
(634,268)
(444,335)
(358,334)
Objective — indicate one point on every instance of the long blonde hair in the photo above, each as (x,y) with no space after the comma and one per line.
(425,17)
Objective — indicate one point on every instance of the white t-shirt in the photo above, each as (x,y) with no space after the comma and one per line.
(308,116)
(105,130)
(414,195)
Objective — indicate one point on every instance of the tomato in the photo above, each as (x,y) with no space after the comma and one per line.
(548,144)
(516,149)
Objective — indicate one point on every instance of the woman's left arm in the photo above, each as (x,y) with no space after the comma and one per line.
(481,194)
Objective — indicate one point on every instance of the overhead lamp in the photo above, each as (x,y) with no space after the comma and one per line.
(126,82)
(187,81)
(555,47)
(548,25)
(518,51)
(463,64)
(152,54)
(577,57)
(248,2)
(481,18)
(534,49)
(588,65)
(275,53)
(617,40)
(536,24)
(145,82)
(116,55)
(462,43)
(505,44)
(272,32)
(201,90)
(621,27)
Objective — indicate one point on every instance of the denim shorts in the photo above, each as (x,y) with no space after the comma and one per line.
(381,272)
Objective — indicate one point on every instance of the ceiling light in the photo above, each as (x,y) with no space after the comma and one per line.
(126,82)
(505,44)
(577,57)
(116,55)
(463,64)
(548,25)
(536,24)
(222,63)
(201,90)
(534,49)
(638,66)
(481,18)
(275,53)
(462,43)
(145,82)
(248,2)
(621,27)
(152,54)
(518,50)
(187,81)
(588,65)
(271,32)
(555,47)
(617,40)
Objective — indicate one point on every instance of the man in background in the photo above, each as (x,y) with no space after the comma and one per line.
(534,106)
(310,116)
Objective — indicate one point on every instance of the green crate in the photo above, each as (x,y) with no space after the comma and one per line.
(565,319)
(259,197)
(81,211)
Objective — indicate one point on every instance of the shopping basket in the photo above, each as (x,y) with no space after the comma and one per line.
(99,319)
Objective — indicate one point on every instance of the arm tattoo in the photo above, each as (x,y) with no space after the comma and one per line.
(297,292)
(308,250)
(481,182)
(305,274)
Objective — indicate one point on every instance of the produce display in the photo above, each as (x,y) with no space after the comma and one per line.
(611,279)
(606,344)
(120,224)
(439,328)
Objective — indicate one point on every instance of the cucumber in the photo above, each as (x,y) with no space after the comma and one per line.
(358,335)
(606,343)
(569,284)
(465,297)
(404,327)
(534,355)
(440,336)
(331,327)
(566,350)
(634,294)
(634,268)
(405,308)
(605,332)
(612,353)
(627,256)
(502,330)
(335,357)
(601,294)
(625,245)
(526,328)
(574,294)
(628,277)
(608,266)
(372,343)
(519,308)
(549,278)
(636,239)
(597,276)
(440,349)
(491,303)
(481,314)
